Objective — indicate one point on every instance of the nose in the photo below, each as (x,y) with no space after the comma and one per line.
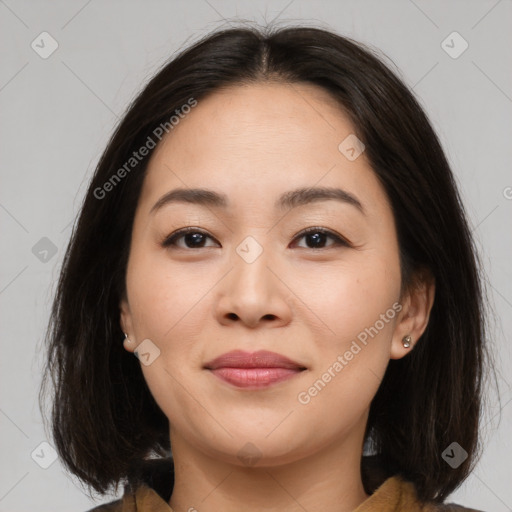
(253,294)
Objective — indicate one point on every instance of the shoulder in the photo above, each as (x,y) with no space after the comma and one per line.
(388,486)
(125,504)
(409,501)
(112,506)
(451,507)
(156,475)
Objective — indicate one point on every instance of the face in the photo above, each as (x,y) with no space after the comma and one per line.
(246,276)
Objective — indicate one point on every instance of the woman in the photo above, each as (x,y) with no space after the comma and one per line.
(275,233)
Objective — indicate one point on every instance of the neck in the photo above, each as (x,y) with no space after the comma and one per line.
(328,480)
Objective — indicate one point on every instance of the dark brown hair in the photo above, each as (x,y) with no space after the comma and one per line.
(105,422)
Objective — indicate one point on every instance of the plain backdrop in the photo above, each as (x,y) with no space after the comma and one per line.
(58,110)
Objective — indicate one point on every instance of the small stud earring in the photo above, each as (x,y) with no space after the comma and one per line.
(406,341)
(126,339)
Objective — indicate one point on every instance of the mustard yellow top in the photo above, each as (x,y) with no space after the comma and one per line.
(394,495)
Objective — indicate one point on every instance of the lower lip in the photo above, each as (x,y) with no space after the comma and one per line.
(254,377)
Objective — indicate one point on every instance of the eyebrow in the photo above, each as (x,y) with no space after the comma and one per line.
(288,200)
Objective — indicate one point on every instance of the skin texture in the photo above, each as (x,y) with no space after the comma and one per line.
(253,143)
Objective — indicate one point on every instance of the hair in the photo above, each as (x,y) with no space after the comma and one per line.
(105,422)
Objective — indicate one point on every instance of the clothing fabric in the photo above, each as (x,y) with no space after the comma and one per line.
(154,488)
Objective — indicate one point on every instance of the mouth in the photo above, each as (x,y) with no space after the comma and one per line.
(253,370)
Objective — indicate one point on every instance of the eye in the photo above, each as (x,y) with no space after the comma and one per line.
(193,238)
(317,237)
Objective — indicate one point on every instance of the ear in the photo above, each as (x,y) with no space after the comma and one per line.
(127,324)
(413,319)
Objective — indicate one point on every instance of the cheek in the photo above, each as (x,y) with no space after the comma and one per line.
(358,306)
(170,307)
(165,298)
(349,297)
(359,309)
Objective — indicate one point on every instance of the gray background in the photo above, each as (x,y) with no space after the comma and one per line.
(58,112)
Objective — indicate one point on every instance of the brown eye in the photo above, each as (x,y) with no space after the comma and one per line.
(316,238)
(193,238)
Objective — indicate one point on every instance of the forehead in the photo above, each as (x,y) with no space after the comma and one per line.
(273,116)
(260,139)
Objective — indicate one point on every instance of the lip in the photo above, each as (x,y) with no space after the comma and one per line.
(253,370)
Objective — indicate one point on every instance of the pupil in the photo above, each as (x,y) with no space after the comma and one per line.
(317,238)
(195,239)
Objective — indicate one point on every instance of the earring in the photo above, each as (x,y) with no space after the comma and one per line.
(406,341)
(126,339)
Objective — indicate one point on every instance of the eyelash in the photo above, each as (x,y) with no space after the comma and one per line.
(170,241)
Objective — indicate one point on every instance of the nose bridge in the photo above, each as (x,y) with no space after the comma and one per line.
(252,291)
(250,261)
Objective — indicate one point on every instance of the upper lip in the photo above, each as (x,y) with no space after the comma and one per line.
(259,359)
